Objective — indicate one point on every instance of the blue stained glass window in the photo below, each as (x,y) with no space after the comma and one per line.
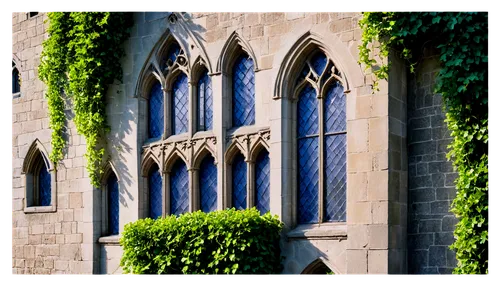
(156,111)
(308,155)
(319,62)
(155,193)
(243,92)
(307,112)
(15,80)
(179,188)
(239,170)
(208,185)
(180,105)
(262,182)
(113,204)
(205,105)
(335,178)
(335,116)
(44,186)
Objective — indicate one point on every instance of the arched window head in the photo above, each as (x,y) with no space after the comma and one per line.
(155,111)
(262,181)
(16,85)
(155,192)
(243,100)
(321,133)
(179,188)
(204,102)
(208,184)
(113,204)
(239,182)
(180,106)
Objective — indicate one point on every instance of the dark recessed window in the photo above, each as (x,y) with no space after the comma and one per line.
(32,14)
(16,87)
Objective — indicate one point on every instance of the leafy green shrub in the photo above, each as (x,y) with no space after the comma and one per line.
(228,241)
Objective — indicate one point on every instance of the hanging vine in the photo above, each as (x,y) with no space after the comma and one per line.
(80,59)
(462,42)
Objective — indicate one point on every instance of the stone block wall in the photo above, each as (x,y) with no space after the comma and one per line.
(48,242)
(431,178)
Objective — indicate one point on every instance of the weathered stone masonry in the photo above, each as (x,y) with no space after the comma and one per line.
(430,179)
(397,203)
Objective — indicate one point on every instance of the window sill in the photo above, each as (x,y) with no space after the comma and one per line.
(203,134)
(16,95)
(39,209)
(324,231)
(110,240)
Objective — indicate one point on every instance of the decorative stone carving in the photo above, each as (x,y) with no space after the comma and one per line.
(248,143)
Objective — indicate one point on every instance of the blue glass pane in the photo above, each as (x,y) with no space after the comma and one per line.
(308,180)
(155,193)
(307,112)
(208,185)
(173,52)
(335,116)
(180,105)
(262,182)
(243,92)
(318,62)
(179,188)
(44,186)
(114,206)
(335,178)
(205,105)
(239,169)
(156,111)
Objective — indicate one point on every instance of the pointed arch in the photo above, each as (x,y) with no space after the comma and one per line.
(234,149)
(233,47)
(148,78)
(293,62)
(258,146)
(201,153)
(320,266)
(108,170)
(31,157)
(198,68)
(174,155)
(148,160)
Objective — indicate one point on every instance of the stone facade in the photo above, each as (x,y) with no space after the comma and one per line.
(71,239)
(430,179)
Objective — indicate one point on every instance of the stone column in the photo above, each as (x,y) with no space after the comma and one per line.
(250,183)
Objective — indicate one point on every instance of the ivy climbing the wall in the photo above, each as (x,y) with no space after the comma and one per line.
(80,59)
(461,40)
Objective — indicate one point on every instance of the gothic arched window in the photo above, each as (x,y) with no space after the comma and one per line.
(180,106)
(16,87)
(113,204)
(239,182)
(321,143)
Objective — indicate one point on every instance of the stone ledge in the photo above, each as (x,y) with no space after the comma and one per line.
(112,239)
(40,209)
(325,231)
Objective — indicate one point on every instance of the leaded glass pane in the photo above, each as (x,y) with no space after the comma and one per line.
(179,192)
(335,178)
(156,111)
(180,105)
(173,52)
(308,180)
(307,112)
(155,193)
(44,186)
(208,185)
(262,182)
(243,92)
(239,170)
(205,105)
(319,62)
(335,116)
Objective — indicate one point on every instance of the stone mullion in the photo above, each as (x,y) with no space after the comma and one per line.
(192,174)
(191,110)
(196,190)
(167,106)
(321,144)
(166,191)
(250,183)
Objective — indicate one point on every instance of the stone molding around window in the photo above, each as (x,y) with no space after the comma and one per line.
(33,162)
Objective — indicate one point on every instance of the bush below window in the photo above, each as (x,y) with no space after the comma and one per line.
(228,241)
